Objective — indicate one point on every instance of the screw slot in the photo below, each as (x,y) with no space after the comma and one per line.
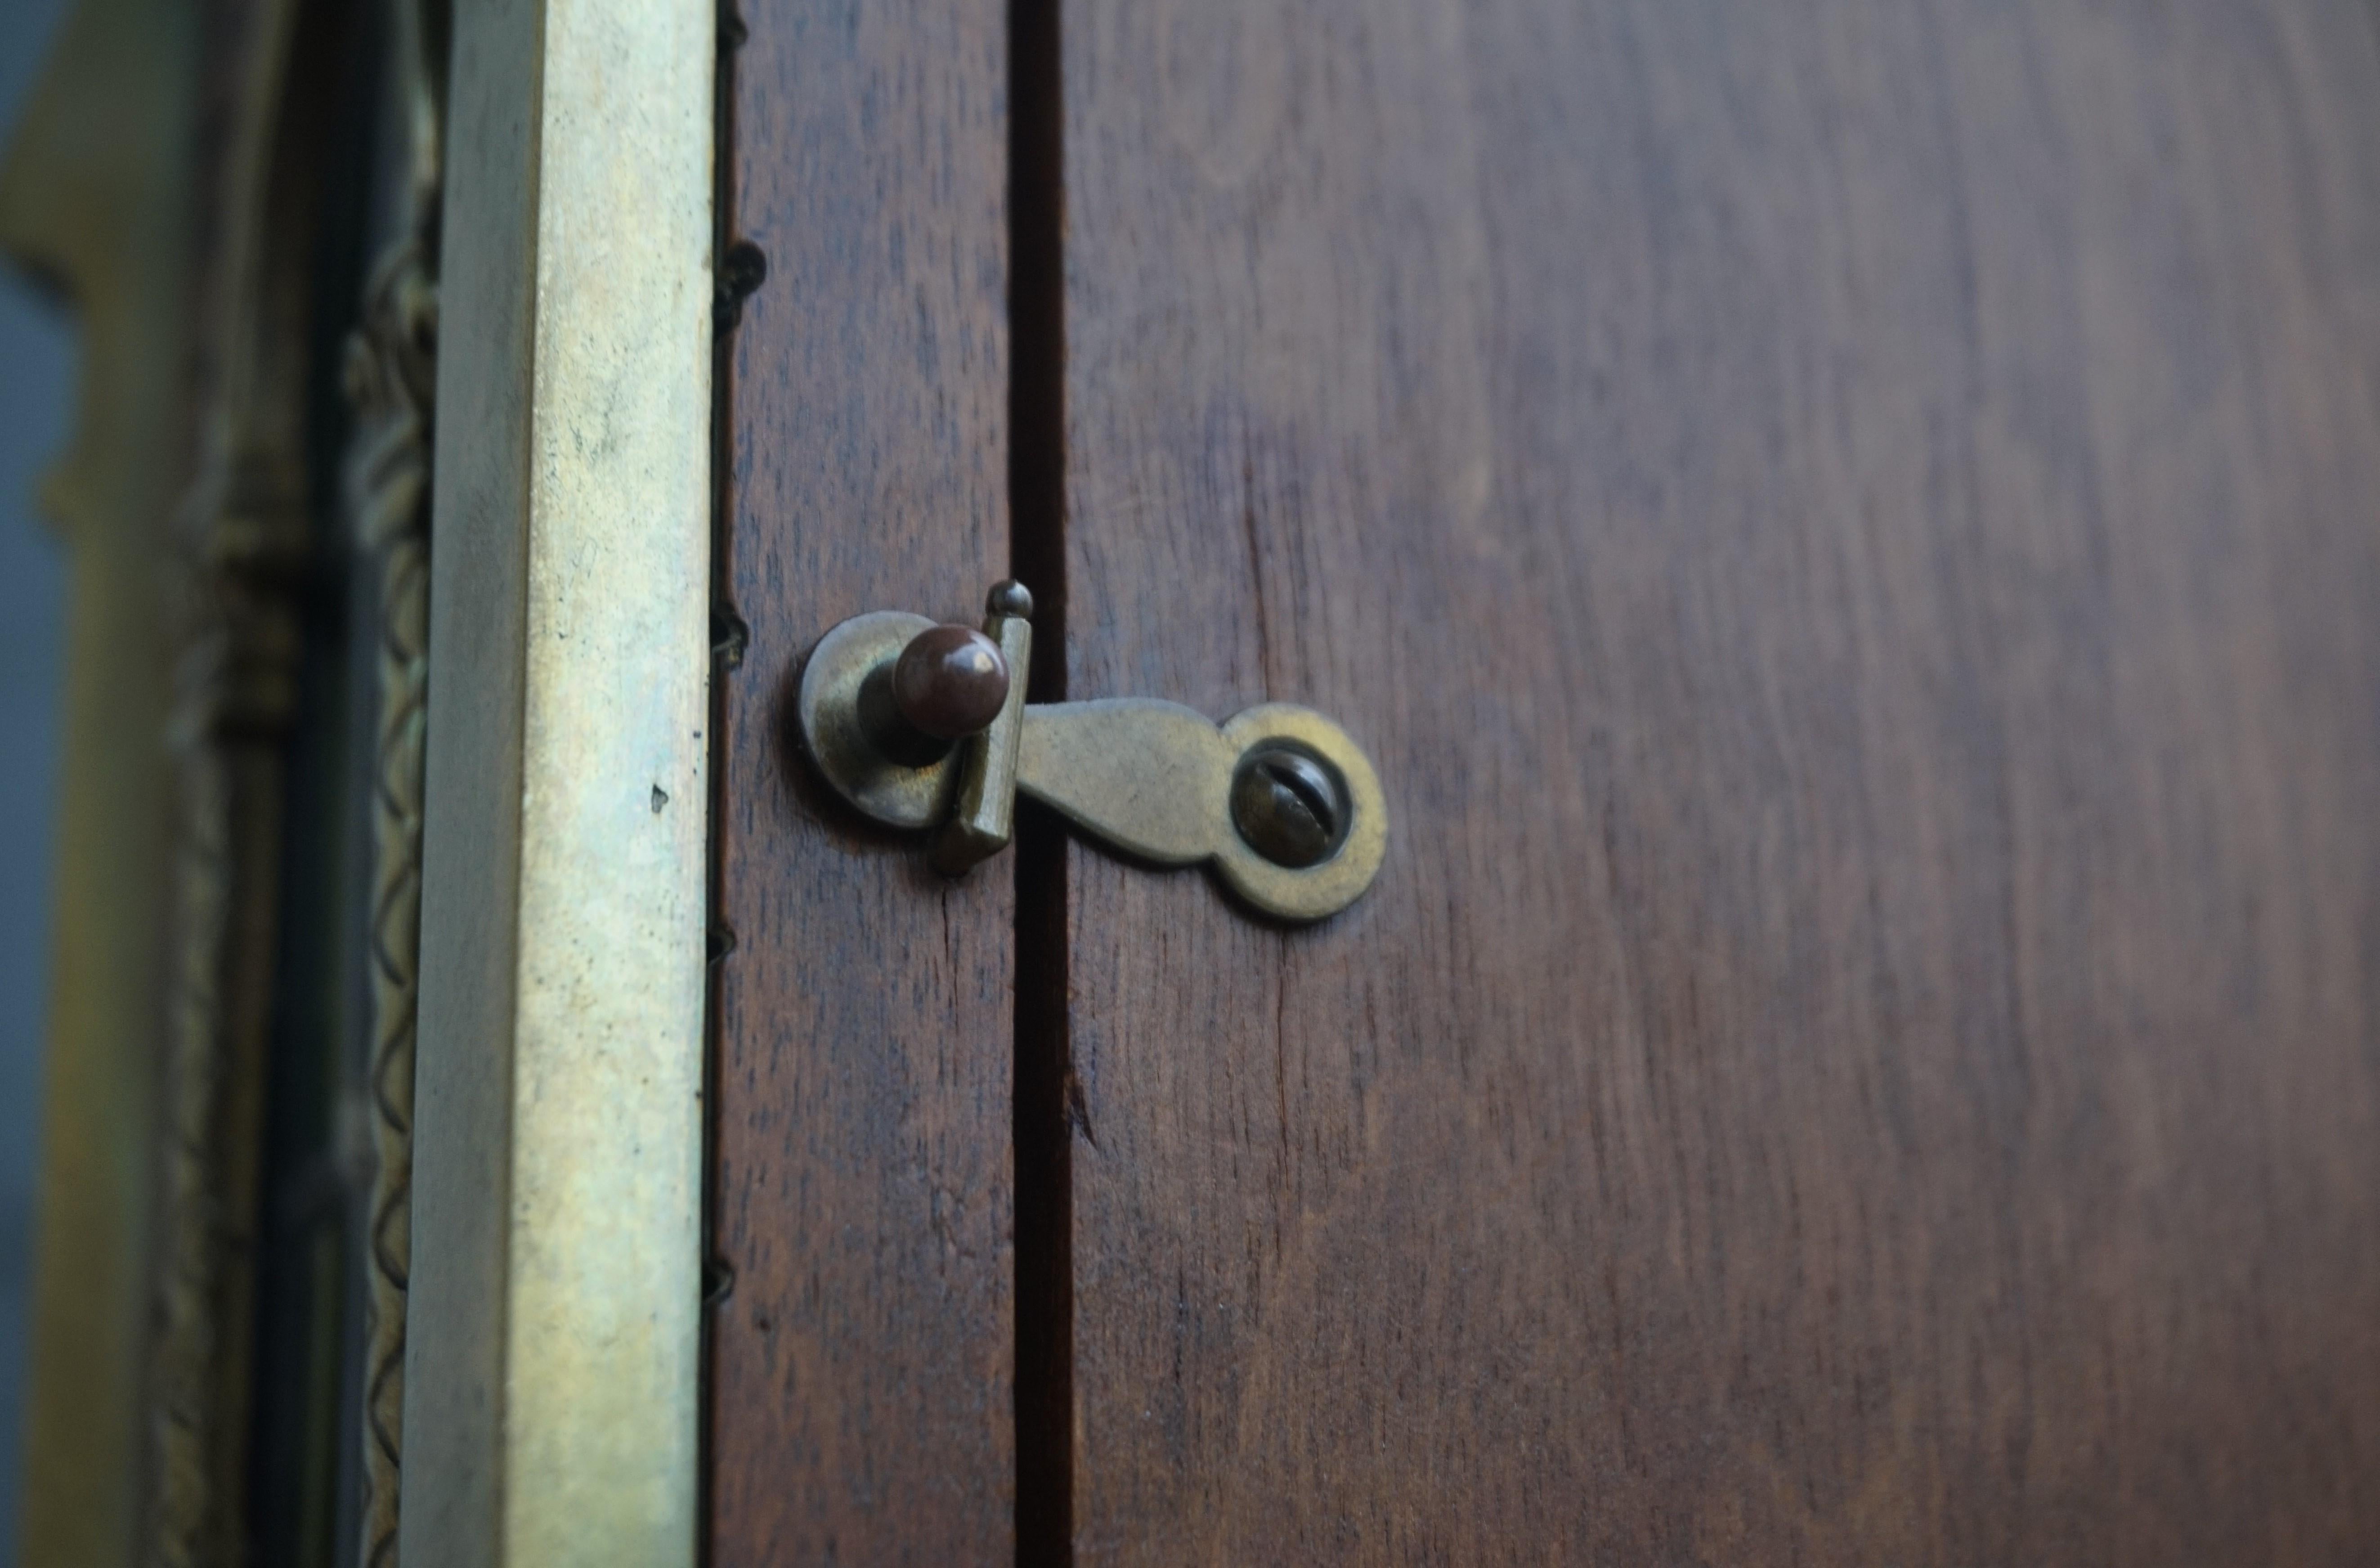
(1288,804)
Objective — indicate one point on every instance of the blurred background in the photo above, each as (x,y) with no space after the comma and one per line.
(36,371)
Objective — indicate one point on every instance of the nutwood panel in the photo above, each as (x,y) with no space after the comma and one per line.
(1848,528)
(861,1332)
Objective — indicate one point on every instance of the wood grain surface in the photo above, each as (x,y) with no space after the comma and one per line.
(862,1332)
(1849,526)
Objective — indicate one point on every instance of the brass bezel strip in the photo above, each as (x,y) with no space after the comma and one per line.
(552,1358)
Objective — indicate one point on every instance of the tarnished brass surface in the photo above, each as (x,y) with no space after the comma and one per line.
(1154,779)
(842,692)
(93,197)
(984,819)
(552,1320)
(1309,893)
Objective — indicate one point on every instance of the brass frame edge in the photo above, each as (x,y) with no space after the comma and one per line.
(554,1325)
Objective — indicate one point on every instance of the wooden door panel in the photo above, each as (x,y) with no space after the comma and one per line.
(1847,528)
(862,1332)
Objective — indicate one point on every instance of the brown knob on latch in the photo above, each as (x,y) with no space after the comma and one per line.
(950,682)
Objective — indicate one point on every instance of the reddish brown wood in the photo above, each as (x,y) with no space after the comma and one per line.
(861,1352)
(1848,527)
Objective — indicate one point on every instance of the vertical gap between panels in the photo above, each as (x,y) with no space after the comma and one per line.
(727,639)
(1036,472)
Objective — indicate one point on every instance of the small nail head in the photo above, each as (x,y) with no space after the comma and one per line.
(1009,598)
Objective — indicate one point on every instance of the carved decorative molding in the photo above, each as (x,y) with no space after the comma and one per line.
(391,383)
(244,536)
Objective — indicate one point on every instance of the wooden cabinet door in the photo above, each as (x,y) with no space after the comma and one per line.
(1848,529)
(862,1330)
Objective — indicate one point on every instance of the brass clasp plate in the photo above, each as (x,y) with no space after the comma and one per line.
(926,728)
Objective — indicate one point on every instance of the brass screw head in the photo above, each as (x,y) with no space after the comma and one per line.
(1289,806)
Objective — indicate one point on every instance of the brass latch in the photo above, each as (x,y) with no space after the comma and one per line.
(924,726)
